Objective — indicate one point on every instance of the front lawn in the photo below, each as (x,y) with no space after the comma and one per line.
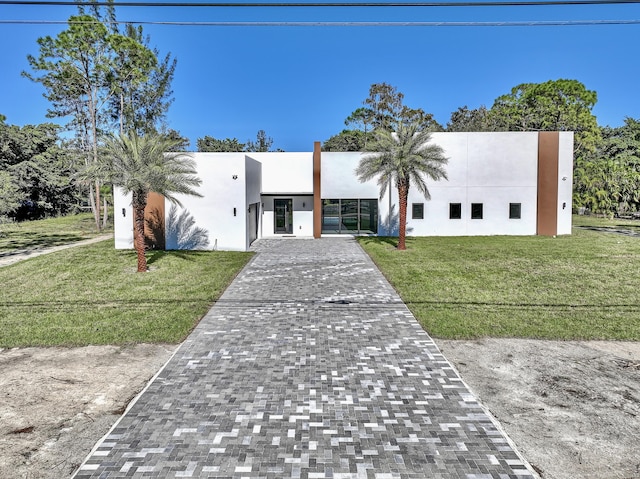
(92,295)
(583,286)
(28,235)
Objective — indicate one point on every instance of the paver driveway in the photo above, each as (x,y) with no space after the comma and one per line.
(309,366)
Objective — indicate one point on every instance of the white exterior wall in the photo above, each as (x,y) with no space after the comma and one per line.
(286,173)
(122,223)
(221,194)
(494,169)
(565,183)
(302,215)
(338,180)
(253,183)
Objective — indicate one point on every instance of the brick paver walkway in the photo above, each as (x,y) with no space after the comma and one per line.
(309,366)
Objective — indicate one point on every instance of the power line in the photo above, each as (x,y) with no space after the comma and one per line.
(552,23)
(481,3)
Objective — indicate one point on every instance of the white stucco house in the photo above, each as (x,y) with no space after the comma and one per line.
(500,183)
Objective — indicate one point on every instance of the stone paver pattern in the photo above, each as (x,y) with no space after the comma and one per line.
(309,366)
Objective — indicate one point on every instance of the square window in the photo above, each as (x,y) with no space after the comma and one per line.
(417,211)
(476,211)
(455,211)
(515,210)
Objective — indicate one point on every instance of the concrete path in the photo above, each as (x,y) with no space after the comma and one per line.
(11,257)
(309,366)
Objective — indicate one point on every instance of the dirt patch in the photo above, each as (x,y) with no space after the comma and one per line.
(56,403)
(572,408)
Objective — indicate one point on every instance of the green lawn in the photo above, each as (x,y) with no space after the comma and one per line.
(47,233)
(583,286)
(92,295)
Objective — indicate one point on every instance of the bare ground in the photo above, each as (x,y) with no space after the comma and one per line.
(572,408)
(56,403)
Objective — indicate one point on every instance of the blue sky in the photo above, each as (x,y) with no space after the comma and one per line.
(300,83)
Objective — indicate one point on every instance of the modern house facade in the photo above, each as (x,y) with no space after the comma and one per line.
(499,183)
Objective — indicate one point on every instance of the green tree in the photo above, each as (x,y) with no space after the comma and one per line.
(555,105)
(140,165)
(385,105)
(347,140)
(179,142)
(608,181)
(76,66)
(262,143)
(383,109)
(41,171)
(465,119)
(211,144)
(403,158)
(425,121)
(10,195)
(142,83)
(81,70)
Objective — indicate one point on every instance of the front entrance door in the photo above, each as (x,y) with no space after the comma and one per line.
(283,216)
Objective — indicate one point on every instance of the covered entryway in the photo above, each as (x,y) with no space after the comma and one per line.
(283,216)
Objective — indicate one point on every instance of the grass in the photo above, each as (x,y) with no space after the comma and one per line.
(29,235)
(582,286)
(593,221)
(92,295)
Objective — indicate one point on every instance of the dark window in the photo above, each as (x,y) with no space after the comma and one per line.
(349,216)
(417,211)
(455,211)
(476,211)
(515,211)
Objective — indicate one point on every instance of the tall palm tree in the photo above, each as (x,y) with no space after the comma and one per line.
(403,157)
(143,164)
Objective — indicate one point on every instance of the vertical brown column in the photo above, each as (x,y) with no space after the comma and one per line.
(548,151)
(317,197)
(154,227)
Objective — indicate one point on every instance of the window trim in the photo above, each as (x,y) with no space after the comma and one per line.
(511,212)
(413,211)
(474,215)
(458,216)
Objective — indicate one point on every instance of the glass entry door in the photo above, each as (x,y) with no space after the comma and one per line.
(283,217)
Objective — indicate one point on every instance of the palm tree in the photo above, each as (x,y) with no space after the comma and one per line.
(143,164)
(403,157)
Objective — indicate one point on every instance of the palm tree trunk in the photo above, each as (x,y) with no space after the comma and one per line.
(403,194)
(139,205)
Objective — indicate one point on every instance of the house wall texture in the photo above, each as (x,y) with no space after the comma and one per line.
(496,170)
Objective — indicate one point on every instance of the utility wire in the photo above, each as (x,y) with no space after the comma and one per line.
(552,23)
(481,3)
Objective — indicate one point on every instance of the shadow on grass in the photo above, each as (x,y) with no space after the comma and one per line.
(389,240)
(18,242)
(154,256)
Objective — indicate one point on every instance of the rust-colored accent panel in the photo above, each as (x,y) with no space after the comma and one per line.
(154,227)
(317,196)
(548,151)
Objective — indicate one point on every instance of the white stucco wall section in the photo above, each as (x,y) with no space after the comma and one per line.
(494,169)
(222,209)
(286,172)
(565,182)
(122,219)
(287,175)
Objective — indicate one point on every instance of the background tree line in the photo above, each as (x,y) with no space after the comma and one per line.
(606,160)
(103,78)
